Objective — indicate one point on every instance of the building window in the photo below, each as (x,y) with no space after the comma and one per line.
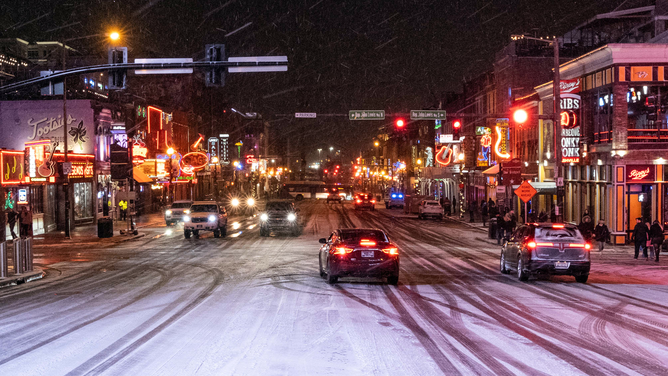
(36,199)
(33,54)
(83,200)
(602,176)
(583,173)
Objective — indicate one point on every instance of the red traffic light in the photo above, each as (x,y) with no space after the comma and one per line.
(457,124)
(337,167)
(400,123)
(325,171)
(520,116)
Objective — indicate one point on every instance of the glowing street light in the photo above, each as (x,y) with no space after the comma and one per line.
(114,35)
(170,151)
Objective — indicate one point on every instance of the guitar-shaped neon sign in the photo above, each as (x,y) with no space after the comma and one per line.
(500,136)
(47,168)
(444,156)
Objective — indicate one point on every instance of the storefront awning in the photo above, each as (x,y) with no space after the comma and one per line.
(492,170)
(140,176)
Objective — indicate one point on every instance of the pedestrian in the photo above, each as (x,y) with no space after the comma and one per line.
(601,234)
(639,237)
(542,216)
(586,227)
(25,220)
(472,209)
(12,216)
(500,228)
(483,213)
(123,207)
(493,209)
(656,236)
(447,206)
(510,222)
(586,213)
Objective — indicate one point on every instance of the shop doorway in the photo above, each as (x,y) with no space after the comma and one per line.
(639,203)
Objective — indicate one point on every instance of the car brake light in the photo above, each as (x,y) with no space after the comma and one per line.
(359,201)
(576,245)
(587,246)
(391,251)
(557,226)
(373,201)
(367,242)
(342,250)
(531,245)
(545,244)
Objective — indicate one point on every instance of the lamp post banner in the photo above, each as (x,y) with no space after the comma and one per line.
(25,121)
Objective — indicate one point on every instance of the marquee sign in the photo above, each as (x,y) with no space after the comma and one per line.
(570,128)
(81,170)
(570,145)
(640,173)
(139,151)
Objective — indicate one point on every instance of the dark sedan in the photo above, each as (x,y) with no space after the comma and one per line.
(363,200)
(359,253)
(546,248)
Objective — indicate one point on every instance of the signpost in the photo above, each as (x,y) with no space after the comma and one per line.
(305,115)
(525,192)
(511,172)
(366,114)
(427,115)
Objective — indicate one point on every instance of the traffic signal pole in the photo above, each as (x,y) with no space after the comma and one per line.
(556,87)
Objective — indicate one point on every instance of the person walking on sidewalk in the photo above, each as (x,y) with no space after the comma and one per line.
(639,237)
(25,218)
(483,213)
(500,228)
(656,236)
(12,217)
(473,207)
(586,227)
(510,222)
(123,207)
(601,234)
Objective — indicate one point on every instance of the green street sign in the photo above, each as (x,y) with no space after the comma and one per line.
(427,115)
(366,114)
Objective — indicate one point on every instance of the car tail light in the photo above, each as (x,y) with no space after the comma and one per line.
(359,201)
(578,245)
(342,250)
(531,245)
(587,246)
(557,226)
(367,242)
(373,201)
(391,251)
(545,244)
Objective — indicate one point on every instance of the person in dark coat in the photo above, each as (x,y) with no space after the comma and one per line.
(542,216)
(656,236)
(586,227)
(493,209)
(601,234)
(639,238)
(25,218)
(12,217)
(500,228)
(484,210)
(510,222)
(473,207)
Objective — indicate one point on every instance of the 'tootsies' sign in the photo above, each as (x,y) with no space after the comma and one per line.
(570,145)
(636,173)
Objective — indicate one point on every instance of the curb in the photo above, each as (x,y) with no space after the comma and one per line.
(26,277)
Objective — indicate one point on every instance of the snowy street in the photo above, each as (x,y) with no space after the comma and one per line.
(248,305)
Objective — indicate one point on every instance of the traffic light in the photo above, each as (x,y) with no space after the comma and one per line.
(400,123)
(456,127)
(520,116)
(117,55)
(215,76)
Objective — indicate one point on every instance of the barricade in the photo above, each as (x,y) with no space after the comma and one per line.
(4,267)
(18,256)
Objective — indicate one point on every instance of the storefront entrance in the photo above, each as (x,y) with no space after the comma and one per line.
(639,202)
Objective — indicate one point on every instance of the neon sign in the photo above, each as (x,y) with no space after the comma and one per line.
(486,141)
(139,151)
(11,167)
(570,145)
(193,161)
(640,173)
(22,197)
(501,147)
(444,156)
(81,170)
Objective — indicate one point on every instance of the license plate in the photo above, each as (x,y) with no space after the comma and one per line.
(199,226)
(562,265)
(367,253)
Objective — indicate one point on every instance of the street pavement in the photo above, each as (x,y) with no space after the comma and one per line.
(247,305)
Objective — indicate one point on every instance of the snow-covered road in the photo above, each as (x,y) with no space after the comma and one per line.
(248,305)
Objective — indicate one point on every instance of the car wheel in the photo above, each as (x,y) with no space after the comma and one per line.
(502,264)
(393,280)
(196,233)
(216,233)
(582,278)
(332,279)
(223,231)
(186,234)
(521,274)
(322,272)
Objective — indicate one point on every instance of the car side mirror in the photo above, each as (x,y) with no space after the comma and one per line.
(323,240)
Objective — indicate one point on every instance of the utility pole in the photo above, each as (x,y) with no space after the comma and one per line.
(67,185)
(556,87)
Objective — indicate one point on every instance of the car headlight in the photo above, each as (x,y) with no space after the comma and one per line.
(250,202)
(168,212)
(264,217)
(212,218)
(186,211)
(291,217)
(235,202)
(186,218)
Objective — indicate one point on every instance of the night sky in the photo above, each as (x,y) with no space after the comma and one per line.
(364,54)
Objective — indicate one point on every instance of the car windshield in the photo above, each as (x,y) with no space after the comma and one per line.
(286,206)
(433,203)
(181,205)
(357,235)
(547,233)
(204,209)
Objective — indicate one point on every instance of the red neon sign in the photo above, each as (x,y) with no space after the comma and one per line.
(192,162)
(444,156)
(148,120)
(11,167)
(486,141)
(638,174)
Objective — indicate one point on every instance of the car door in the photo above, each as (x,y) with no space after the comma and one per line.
(513,246)
(324,251)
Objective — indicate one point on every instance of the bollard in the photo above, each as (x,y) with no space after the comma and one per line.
(4,268)
(27,251)
(18,256)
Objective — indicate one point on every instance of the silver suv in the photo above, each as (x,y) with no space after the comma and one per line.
(175,212)
(205,216)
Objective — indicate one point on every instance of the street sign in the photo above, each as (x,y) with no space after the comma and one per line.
(511,172)
(366,114)
(259,59)
(445,138)
(305,115)
(525,191)
(163,61)
(427,115)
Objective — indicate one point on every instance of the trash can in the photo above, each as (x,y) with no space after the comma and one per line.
(105,227)
(492,228)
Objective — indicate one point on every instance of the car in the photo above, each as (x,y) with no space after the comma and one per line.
(546,248)
(280,216)
(394,199)
(430,208)
(175,212)
(205,216)
(358,252)
(334,196)
(363,200)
